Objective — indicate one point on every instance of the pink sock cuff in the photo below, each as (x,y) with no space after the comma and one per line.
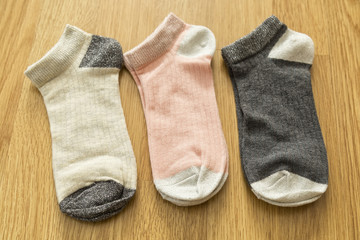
(155,45)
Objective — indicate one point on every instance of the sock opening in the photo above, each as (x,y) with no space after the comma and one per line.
(253,42)
(59,58)
(156,44)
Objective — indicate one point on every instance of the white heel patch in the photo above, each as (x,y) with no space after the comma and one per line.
(197,41)
(295,47)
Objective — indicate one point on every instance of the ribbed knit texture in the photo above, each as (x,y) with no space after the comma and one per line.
(158,43)
(188,152)
(93,161)
(282,150)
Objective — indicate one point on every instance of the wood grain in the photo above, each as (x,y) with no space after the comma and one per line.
(28,207)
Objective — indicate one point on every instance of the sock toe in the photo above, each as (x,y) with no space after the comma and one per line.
(184,203)
(191,185)
(287,189)
(97,202)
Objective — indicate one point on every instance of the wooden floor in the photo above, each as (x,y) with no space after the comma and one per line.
(28,206)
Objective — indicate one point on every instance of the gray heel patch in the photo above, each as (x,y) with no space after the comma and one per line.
(103,53)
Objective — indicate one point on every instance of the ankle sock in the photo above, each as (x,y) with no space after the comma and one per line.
(282,150)
(188,152)
(93,162)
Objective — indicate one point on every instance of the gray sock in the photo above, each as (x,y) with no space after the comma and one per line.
(282,150)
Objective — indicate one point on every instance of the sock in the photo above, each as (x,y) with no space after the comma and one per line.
(172,70)
(282,149)
(93,162)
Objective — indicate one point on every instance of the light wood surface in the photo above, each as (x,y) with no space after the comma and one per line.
(28,206)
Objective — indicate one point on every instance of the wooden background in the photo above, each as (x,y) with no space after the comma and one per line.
(28,206)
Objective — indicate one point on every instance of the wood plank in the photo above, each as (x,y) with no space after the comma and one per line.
(28,206)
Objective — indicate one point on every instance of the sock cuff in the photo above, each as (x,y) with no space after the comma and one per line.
(155,45)
(59,58)
(253,42)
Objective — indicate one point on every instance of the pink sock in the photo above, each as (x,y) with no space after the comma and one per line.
(188,152)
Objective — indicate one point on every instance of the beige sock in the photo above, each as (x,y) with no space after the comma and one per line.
(93,161)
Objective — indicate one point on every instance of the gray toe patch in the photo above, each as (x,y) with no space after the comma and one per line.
(97,202)
(103,53)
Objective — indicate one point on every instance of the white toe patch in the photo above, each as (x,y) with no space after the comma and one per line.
(288,189)
(192,184)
